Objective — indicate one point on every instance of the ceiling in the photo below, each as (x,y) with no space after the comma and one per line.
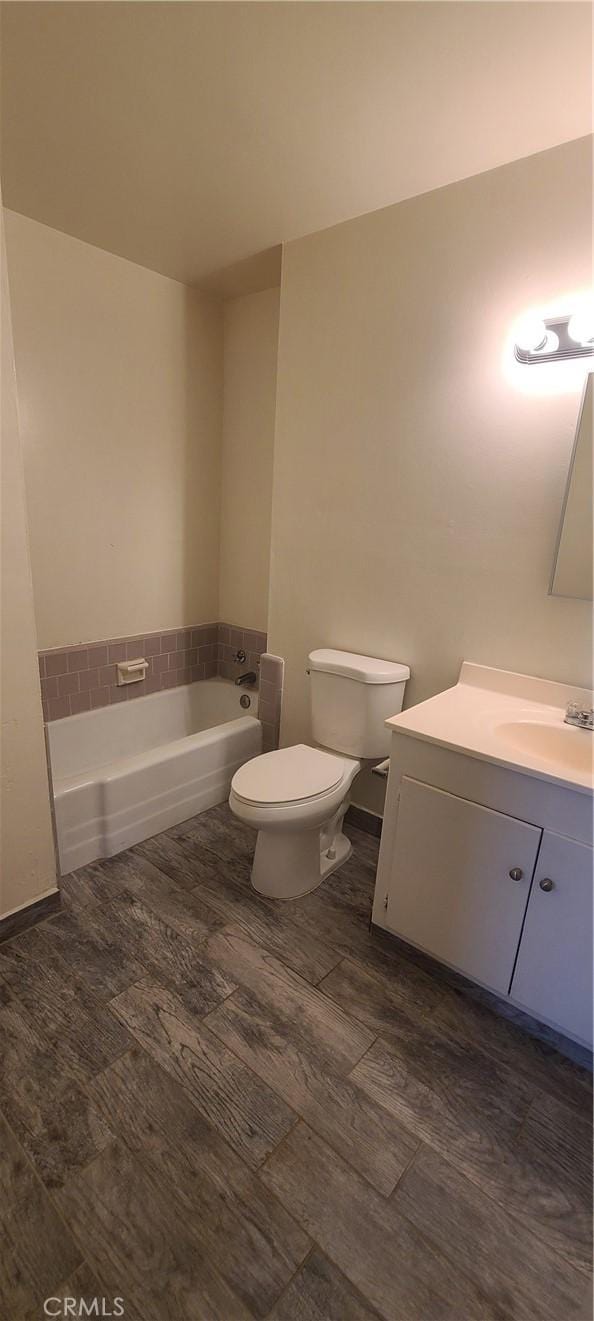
(190,136)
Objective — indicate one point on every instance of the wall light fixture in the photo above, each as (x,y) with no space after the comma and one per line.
(555,339)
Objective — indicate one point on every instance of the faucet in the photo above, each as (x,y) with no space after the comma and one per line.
(249,677)
(576,714)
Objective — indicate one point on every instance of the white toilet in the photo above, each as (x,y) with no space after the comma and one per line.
(296,797)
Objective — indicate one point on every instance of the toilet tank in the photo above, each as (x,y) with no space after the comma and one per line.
(351,698)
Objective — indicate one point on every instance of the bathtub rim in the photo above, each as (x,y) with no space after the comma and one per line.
(162,692)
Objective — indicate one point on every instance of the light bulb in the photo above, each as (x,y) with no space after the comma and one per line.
(581,326)
(551,342)
(531,334)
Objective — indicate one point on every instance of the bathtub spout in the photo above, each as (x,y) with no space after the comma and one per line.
(249,677)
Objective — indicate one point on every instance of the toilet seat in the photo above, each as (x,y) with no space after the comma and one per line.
(288,775)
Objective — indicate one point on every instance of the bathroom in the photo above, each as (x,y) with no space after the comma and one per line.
(280,442)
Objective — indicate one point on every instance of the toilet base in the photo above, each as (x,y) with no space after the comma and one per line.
(292,864)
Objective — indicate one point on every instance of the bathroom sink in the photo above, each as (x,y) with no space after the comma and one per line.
(515,720)
(559,745)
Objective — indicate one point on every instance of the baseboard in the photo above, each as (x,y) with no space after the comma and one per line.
(29,917)
(362,819)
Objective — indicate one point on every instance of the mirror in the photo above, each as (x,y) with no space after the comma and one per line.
(572,568)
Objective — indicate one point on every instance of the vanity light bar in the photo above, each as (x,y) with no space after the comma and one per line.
(551,341)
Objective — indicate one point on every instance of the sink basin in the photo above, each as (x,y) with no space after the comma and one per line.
(559,745)
(514,720)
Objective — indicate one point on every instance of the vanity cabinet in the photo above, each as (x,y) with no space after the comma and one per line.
(553,974)
(490,871)
(459,881)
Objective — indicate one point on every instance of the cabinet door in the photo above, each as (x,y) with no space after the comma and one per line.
(451,891)
(553,977)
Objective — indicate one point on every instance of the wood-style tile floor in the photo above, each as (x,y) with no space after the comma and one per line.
(218,1106)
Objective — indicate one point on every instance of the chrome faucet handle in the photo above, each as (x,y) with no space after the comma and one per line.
(580,716)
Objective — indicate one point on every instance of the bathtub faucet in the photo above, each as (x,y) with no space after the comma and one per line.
(249,677)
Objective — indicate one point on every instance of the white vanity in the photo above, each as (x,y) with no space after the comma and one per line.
(486,852)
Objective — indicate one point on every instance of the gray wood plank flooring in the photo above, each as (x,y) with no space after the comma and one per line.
(366,1134)
(402,1273)
(249,1114)
(488,1249)
(318,1292)
(84,1034)
(140,1241)
(222,1108)
(487,1144)
(253,1241)
(57,1125)
(36,1250)
(35,1254)
(303,1012)
(269,924)
(84,1287)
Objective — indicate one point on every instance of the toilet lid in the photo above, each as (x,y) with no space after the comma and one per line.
(288,774)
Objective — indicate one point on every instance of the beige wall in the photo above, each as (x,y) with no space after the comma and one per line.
(119,374)
(250,355)
(27,864)
(419,472)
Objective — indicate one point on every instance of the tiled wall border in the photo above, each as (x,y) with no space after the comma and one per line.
(272,670)
(230,640)
(82,678)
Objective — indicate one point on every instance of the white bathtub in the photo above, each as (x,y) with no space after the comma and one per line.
(125,772)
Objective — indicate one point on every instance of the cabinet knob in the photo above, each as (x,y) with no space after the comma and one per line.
(547,884)
(516,873)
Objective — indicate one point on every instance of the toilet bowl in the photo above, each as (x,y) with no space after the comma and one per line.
(297,797)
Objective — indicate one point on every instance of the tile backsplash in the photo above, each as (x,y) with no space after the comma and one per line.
(230,640)
(81,678)
(272,670)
